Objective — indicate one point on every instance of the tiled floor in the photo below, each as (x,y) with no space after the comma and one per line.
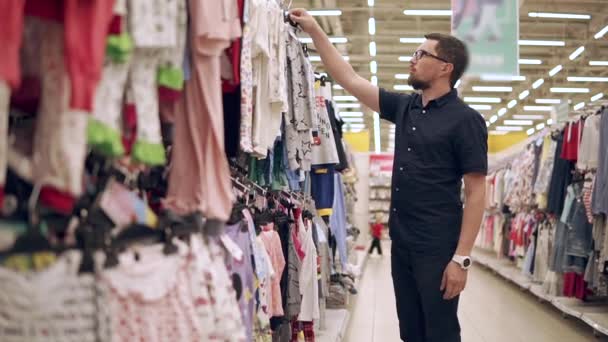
(491,310)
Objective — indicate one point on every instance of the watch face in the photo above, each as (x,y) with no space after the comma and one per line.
(466,262)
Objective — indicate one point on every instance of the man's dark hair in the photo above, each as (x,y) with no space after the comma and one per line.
(452,50)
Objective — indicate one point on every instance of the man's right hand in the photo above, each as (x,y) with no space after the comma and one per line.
(301,17)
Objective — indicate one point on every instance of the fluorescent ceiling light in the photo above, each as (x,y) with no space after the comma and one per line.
(373,67)
(550,122)
(601,32)
(509,128)
(540,126)
(538,108)
(576,53)
(348,105)
(377,132)
(374,80)
(530,61)
(598,63)
(538,83)
(356,125)
(500,78)
(370,3)
(327,13)
(587,79)
(402,76)
(353,119)
(487,123)
(555,70)
(528,117)
(502,111)
(402,87)
(457,84)
(314,58)
(579,105)
(527,42)
(512,104)
(482,99)
(492,89)
(335,40)
(428,12)
(530,131)
(405,58)
(372,49)
(338,87)
(559,15)
(351,114)
(597,97)
(480,107)
(412,40)
(371,25)
(548,101)
(524,94)
(344,98)
(570,90)
(497,133)
(493,119)
(518,122)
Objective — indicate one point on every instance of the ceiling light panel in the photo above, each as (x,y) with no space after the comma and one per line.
(509,128)
(480,107)
(528,117)
(344,98)
(493,119)
(511,104)
(374,80)
(555,70)
(472,99)
(373,67)
(402,76)
(354,120)
(524,94)
(559,15)
(372,49)
(370,3)
(530,131)
(502,111)
(492,89)
(538,83)
(570,90)
(412,40)
(540,126)
(527,42)
(597,97)
(530,61)
(579,105)
(501,78)
(348,105)
(457,84)
(538,108)
(518,122)
(601,32)
(371,26)
(405,58)
(548,101)
(402,87)
(351,114)
(497,133)
(598,63)
(335,40)
(576,53)
(428,12)
(325,13)
(587,79)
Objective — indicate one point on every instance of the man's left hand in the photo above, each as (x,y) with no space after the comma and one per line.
(454,281)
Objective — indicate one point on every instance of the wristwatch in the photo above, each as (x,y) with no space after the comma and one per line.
(465,262)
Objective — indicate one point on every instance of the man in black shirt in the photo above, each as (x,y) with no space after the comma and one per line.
(439,142)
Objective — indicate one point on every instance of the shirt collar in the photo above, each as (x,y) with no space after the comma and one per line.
(438,102)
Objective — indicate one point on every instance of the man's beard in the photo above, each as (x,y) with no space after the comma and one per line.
(418,84)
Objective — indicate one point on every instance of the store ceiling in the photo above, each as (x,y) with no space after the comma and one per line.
(391,24)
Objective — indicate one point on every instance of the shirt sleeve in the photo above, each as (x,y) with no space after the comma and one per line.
(472,144)
(390,102)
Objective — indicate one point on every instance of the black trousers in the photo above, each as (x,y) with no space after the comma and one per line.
(375,245)
(424,316)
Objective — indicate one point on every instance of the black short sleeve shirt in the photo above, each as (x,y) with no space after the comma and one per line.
(434,147)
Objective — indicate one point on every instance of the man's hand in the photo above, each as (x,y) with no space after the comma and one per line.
(454,281)
(304,19)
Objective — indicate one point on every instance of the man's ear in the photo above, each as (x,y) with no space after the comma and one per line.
(448,67)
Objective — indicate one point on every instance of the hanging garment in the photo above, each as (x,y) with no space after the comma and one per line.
(5,95)
(572,136)
(60,137)
(337,220)
(600,191)
(324,150)
(272,243)
(246,76)
(541,187)
(309,286)
(588,150)
(53,305)
(560,179)
(199,179)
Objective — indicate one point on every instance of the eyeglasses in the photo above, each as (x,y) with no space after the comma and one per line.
(419,54)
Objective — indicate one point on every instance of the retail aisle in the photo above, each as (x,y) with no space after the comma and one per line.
(492,310)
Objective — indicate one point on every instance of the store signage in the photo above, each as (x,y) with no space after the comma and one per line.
(381,163)
(561,112)
(490,28)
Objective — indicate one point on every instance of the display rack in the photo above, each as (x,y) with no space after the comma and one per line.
(594,314)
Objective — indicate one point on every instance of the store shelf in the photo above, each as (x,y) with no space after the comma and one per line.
(594,314)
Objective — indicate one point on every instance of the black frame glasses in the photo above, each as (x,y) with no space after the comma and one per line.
(419,54)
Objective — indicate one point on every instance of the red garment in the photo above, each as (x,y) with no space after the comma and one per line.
(377,230)
(234,55)
(11,17)
(575,285)
(572,138)
(86,26)
(60,201)
(306,327)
